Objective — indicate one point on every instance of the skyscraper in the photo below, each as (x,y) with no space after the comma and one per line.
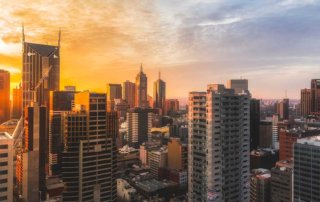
(306,176)
(4,96)
(128,94)
(17,102)
(281,181)
(6,167)
(219,144)
(35,153)
(283,109)
(305,102)
(177,154)
(238,85)
(88,159)
(40,72)
(315,95)
(141,89)
(260,185)
(254,123)
(171,106)
(159,94)
(114,91)
(59,103)
(139,126)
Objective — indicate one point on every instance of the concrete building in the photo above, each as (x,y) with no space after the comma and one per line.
(144,151)
(139,126)
(219,144)
(260,185)
(177,154)
(159,94)
(263,158)
(141,90)
(306,175)
(129,93)
(281,181)
(305,102)
(125,192)
(239,85)
(89,155)
(289,137)
(158,159)
(6,167)
(4,96)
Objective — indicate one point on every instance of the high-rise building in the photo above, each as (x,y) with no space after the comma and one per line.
(239,85)
(177,154)
(260,185)
(158,159)
(17,102)
(289,137)
(281,181)
(219,144)
(114,91)
(70,88)
(88,158)
(59,103)
(305,102)
(254,123)
(171,106)
(6,167)
(306,175)
(4,96)
(128,93)
(265,134)
(141,89)
(35,153)
(159,94)
(40,72)
(283,109)
(139,126)
(315,95)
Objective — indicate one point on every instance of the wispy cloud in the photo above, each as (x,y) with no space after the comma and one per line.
(225,21)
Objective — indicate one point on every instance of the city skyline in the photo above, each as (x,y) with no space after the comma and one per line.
(183,41)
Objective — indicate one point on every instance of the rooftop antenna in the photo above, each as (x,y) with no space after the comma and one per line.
(141,69)
(23,37)
(59,37)
(159,74)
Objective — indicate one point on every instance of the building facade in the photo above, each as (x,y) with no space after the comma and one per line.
(159,94)
(305,102)
(4,96)
(219,144)
(129,93)
(6,167)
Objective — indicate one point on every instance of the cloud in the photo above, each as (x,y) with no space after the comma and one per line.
(226,21)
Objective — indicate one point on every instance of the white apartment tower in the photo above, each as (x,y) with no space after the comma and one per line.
(219,145)
(6,167)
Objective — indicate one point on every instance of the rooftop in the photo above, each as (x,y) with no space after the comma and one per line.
(313,140)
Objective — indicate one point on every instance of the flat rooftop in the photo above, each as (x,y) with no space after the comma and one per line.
(313,140)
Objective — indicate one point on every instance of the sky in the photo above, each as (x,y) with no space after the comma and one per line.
(273,43)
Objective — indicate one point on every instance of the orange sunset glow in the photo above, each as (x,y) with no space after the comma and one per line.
(105,42)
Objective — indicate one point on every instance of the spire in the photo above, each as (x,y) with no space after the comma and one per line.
(23,37)
(141,69)
(59,37)
(159,75)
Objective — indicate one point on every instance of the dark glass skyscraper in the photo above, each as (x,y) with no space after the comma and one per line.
(4,96)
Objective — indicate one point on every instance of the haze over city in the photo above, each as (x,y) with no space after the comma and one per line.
(267,42)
